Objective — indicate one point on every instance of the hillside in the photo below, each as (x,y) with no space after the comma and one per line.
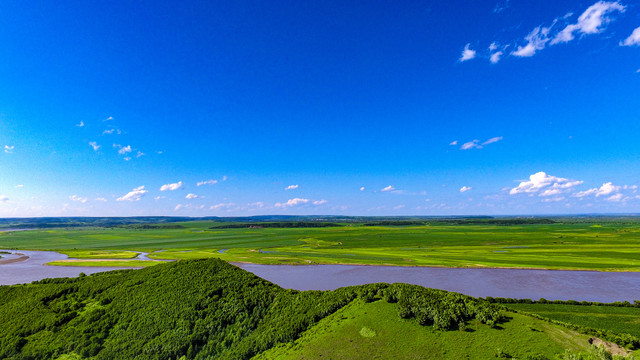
(208,309)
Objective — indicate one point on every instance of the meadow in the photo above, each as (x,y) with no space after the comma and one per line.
(596,244)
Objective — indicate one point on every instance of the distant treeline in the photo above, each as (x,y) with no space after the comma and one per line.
(280,224)
(500,300)
(466,221)
(153,226)
(193,309)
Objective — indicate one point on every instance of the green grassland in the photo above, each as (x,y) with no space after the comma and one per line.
(585,245)
(617,319)
(373,331)
(208,309)
(106,262)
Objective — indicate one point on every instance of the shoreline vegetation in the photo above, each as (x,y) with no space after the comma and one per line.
(545,243)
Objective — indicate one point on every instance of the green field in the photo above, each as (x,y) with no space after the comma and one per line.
(617,319)
(588,245)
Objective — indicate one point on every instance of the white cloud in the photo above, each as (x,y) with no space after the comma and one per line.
(292,202)
(221,205)
(191,196)
(495,57)
(398,207)
(134,195)
(9,149)
(81,124)
(320,202)
(492,140)
(592,21)
(605,189)
(554,199)
(224,178)
(100,199)
(127,158)
(125,149)
(465,189)
(207,182)
(617,197)
(108,119)
(177,207)
(540,181)
(159,197)
(536,40)
(94,145)
(493,46)
(454,142)
(388,188)
(78,198)
(19,186)
(112,131)
(467,54)
(291,187)
(171,187)
(471,145)
(3,198)
(139,154)
(633,39)
(362,188)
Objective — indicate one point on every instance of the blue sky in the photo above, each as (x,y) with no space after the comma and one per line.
(318,107)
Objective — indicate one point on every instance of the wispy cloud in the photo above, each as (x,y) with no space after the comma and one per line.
(545,185)
(19,186)
(536,40)
(94,145)
(108,119)
(465,189)
(388,189)
(492,140)
(454,142)
(633,39)
(495,57)
(171,187)
(81,124)
(291,187)
(4,198)
(134,195)
(9,149)
(100,199)
(292,202)
(78,198)
(178,207)
(592,21)
(207,182)
(111,132)
(191,196)
(320,202)
(467,53)
(362,188)
(471,145)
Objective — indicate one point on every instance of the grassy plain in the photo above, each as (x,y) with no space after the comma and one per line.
(617,319)
(594,245)
(370,331)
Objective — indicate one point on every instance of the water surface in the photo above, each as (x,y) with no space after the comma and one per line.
(510,283)
(34,269)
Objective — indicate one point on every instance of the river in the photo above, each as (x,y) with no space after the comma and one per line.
(513,283)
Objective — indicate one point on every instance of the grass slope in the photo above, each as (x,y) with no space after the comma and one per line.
(606,246)
(373,331)
(208,309)
(618,319)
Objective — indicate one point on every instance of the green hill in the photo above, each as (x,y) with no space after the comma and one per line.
(208,309)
